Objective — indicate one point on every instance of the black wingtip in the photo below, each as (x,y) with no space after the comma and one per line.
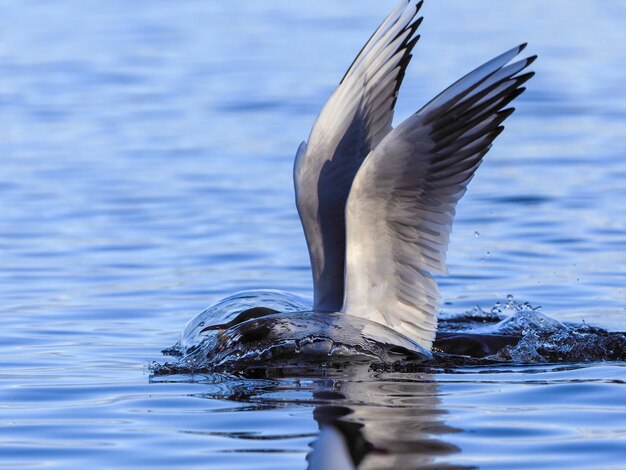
(411,28)
(505,113)
(418,5)
(522,47)
(521,79)
(497,131)
(530,60)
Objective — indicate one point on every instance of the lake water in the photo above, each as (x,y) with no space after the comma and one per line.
(145,172)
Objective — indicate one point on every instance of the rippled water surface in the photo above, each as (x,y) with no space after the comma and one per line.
(145,173)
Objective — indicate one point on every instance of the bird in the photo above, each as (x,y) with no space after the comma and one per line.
(377,202)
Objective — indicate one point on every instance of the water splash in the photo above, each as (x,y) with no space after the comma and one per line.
(268,328)
(245,329)
(546,340)
(521,333)
(226,310)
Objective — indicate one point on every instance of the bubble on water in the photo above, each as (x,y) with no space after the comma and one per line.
(229,308)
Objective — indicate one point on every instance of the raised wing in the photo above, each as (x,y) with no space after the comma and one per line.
(402,203)
(354,120)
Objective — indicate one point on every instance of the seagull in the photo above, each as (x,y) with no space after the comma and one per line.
(377,202)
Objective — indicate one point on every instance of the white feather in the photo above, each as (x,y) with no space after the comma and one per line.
(377,204)
(402,203)
(355,119)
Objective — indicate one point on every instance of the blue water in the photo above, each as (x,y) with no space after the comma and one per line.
(145,172)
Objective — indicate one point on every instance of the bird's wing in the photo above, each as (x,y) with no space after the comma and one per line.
(400,209)
(354,120)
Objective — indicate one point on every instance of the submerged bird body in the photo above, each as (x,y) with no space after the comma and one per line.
(377,203)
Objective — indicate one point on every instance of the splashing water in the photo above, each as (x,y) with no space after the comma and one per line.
(263,328)
(226,310)
(246,329)
(521,333)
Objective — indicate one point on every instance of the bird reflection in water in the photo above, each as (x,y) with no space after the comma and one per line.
(374,420)
(366,418)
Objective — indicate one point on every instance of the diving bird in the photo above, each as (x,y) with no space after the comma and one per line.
(376,202)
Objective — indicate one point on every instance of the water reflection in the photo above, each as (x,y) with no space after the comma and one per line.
(366,418)
(340,444)
(401,420)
